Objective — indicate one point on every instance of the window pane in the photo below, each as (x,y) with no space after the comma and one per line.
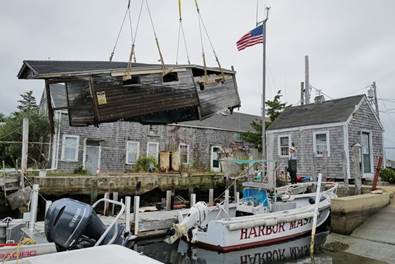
(152,150)
(321,146)
(133,148)
(70,148)
(284,146)
(184,153)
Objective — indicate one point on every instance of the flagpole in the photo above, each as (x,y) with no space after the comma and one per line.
(270,181)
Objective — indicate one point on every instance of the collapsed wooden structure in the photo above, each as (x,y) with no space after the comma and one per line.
(98,91)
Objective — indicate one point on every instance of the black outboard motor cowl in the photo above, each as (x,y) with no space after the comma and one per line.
(67,220)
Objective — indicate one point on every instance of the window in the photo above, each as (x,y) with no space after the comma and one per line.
(283,146)
(132,152)
(171,77)
(184,153)
(321,144)
(153,150)
(70,148)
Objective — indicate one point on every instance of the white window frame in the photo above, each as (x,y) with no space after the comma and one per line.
(279,145)
(179,151)
(157,149)
(328,145)
(127,151)
(76,150)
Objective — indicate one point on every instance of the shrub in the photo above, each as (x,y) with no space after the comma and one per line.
(147,164)
(388,175)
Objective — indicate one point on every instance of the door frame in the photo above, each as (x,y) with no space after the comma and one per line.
(84,156)
(368,175)
(211,159)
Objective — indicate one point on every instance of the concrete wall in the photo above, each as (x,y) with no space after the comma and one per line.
(308,163)
(347,213)
(364,119)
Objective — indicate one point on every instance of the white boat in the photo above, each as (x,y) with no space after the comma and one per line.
(259,220)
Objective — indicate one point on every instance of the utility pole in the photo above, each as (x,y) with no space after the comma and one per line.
(302,93)
(25,149)
(375,99)
(307,80)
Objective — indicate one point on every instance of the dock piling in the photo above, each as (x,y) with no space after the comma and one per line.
(136,208)
(211,197)
(106,196)
(237,197)
(128,202)
(48,204)
(114,198)
(168,200)
(193,199)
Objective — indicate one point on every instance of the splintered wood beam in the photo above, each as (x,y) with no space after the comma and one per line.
(95,100)
(50,109)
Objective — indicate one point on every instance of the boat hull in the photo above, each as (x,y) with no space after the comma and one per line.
(225,240)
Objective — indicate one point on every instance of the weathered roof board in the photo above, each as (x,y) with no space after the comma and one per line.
(149,97)
(333,111)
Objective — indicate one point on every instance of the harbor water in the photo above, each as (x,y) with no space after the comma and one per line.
(293,251)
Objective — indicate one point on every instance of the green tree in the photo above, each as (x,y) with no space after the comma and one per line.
(274,108)
(11,134)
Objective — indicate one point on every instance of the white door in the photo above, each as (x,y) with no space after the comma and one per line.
(92,156)
(214,159)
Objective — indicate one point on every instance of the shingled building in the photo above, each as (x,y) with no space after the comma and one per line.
(324,133)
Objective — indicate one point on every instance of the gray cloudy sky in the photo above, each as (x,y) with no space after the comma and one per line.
(350,43)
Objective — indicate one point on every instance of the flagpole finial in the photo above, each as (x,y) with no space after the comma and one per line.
(267,8)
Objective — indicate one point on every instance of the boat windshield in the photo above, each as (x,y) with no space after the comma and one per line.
(257,196)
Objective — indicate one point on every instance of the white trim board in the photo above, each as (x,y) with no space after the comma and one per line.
(327,125)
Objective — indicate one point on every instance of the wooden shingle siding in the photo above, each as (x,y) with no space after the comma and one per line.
(308,163)
(365,120)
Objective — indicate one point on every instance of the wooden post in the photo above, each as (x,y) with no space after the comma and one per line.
(33,207)
(128,202)
(302,93)
(48,204)
(168,200)
(377,173)
(106,196)
(114,198)
(25,149)
(136,208)
(356,157)
(193,199)
(211,197)
(237,197)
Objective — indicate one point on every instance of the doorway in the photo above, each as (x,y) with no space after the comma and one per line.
(92,156)
(215,165)
(367,157)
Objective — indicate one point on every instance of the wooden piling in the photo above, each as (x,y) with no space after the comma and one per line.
(128,202)
(136,208)
(226,201)
(25,149)
(114,198)
(211,197)
(106,196)
(193,199)
(168,200)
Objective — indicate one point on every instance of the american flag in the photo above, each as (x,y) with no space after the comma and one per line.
(252,38)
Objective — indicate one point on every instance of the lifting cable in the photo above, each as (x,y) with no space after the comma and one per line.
(132,55)
(181,30)
(201,23)
(119,33)
(156,37)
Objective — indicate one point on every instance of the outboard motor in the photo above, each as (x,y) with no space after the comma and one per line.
(71,224)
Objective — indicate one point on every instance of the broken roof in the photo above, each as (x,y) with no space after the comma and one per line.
(39,69)
(333,111)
